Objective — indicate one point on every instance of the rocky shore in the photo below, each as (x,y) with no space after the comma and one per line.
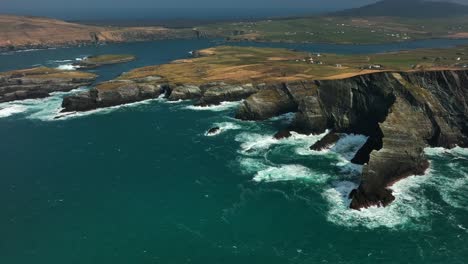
(401,113)
(40,82)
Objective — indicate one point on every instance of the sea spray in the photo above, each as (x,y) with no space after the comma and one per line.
(223,106)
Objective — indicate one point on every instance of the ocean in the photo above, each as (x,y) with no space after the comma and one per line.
(143,183)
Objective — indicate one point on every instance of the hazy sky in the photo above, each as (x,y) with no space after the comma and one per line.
(27,4)
(151,9)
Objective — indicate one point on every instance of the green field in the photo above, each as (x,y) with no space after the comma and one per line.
(342,29)
(263,65)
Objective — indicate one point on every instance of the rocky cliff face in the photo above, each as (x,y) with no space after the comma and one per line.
(40,82)
(128,91)
(111,94)
(401,113)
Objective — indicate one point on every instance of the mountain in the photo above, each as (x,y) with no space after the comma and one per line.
(408,8)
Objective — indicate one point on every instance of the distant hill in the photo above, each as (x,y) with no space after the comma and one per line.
(408,8)
(20,32)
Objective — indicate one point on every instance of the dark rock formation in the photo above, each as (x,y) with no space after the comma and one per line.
(215,93)
(39,83)
(185,92)
(401,113)
(213,131)
(111,94)
(268,102)
(282,134)
(326,142)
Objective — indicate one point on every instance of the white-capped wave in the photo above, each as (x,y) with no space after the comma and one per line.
(104,110)
(223,106)
(288,172)
(255,142)
(67,67)
(7,110)
(439,151)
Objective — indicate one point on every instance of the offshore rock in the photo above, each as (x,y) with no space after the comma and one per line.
(282,134)
(326,142)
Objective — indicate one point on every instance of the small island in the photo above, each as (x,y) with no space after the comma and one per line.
(102,60)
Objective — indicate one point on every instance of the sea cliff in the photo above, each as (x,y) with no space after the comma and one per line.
(400,112)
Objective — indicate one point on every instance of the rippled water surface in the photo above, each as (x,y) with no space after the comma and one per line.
(143,183)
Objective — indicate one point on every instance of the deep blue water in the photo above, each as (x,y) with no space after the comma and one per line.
(143,184)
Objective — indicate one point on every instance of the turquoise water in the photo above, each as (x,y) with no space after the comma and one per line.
(142,183)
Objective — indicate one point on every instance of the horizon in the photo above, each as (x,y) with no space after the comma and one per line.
(173,10)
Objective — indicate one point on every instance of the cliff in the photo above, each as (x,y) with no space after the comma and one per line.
(400,112)
(40,82)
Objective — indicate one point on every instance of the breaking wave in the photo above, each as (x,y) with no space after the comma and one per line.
(9,110)
(408,210)
(223,106)
(68,67)
(289,173)
(223,127)
(49,108)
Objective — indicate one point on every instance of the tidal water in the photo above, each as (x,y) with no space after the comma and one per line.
(143,183)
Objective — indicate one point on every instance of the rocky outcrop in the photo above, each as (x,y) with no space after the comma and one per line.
(215,93)
(127,91)
(401,113)
(40,82)
(111,94)
(185,92)
(270,101)
(326,142)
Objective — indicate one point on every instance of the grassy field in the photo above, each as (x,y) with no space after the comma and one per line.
(342,29)
(258,65)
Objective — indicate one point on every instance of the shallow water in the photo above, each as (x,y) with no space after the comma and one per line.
(142,183)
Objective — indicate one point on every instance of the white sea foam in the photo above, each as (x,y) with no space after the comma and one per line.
(223,106)
(254,142)
(68,67)
(105,110)
(348,145)
(9,110)
(288,117)
(62,61)
(442,151)
(252,165)
(288,173)
(407,211)
(49,108)
(223,127)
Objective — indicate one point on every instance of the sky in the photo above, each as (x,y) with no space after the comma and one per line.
(22,4)
(180,9)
